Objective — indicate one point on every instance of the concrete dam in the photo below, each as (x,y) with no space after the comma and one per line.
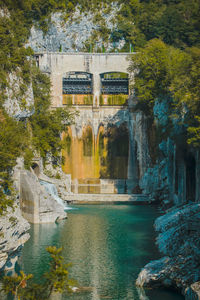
(105,147)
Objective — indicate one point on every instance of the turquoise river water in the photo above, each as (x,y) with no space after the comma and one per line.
(107,245)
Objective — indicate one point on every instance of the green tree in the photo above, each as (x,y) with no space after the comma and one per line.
(56,280)
(165,72)
(13,140)
(47,124)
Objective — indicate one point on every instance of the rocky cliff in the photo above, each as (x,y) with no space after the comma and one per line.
(18,104)
(38,205)
(13,235)
(74,33)
(178,240)
(35,205)
(172,179)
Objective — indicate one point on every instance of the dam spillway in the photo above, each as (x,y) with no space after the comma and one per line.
(58,65)
(104,148)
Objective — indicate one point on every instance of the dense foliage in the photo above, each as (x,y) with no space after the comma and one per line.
(177,22)
(56,280)
(47,125)
(12,143)
(40,133)
(165,72)
(165,34)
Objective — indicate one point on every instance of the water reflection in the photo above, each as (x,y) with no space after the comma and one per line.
(141,294)
(108,245)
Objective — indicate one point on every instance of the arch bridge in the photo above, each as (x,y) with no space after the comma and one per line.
(86,74)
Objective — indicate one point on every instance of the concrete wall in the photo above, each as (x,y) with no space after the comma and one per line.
(29,198)
(36,204)
(57,64)
(97,117)
(103,186)
(107,198)
(138,157)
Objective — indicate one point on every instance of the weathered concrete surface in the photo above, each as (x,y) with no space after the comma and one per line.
(101,116)
(107,198)
(102,186)
(13,235)
(58,64)
(36,204)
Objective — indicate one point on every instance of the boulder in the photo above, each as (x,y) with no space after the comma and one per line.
(178,240)
(37,205)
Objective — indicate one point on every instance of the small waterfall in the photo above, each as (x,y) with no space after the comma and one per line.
(52,190)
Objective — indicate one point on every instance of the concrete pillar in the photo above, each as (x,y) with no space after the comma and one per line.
(56,89)
(73,100)
(131,154)
(96,89)
(75,186)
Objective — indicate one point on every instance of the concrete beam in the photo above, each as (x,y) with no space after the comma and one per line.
(57,64)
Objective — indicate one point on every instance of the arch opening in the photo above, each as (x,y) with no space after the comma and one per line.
(36,169)
(98,165)
(77,88)
(114,88)
(87,139)
(115,164)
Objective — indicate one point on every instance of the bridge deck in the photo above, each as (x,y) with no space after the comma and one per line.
(107,199)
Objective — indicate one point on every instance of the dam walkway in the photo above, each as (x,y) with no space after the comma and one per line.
(107,199)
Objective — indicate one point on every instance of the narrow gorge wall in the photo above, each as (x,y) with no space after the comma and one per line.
(172,176)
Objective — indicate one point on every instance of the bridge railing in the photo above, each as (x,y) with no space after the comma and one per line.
(85,53)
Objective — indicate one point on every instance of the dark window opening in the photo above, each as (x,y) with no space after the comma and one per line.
(77,83)
(114,84)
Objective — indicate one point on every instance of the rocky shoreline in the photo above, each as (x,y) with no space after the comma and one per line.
(178,240)
(13,235)
(34,204)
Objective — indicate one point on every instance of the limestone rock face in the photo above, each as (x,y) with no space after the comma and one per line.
(178,240)
(72,34)
(16,104)
(13,235)
(158,180)
(193,292)
(61,180)
(37,205)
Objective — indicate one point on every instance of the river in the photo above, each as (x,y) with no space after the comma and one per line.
(107,245)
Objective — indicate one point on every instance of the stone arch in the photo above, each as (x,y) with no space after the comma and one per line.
(101,141)
(88,140)
(117,148)
(36,168)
